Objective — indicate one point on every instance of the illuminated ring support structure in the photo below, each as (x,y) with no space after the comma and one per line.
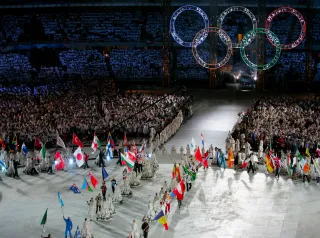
(201,36)
(303,26)
(237,9)
(249,38)
(177,13)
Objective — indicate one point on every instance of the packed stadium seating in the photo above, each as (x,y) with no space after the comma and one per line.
(14,67)
(130,63)
(84,63)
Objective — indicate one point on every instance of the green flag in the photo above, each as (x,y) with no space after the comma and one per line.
(43,152)
(44,218)
(192,174)
(89,188)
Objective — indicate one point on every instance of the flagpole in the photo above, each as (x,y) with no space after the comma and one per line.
(62,211)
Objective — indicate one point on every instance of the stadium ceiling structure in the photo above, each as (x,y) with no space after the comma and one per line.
(97,3)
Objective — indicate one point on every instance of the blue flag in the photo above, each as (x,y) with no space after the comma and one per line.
(60,199)
(3,165)
(74,189)
(104,174)
(109,151)
(24,149)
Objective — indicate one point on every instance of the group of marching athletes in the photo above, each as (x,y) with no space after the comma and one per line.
(296,165)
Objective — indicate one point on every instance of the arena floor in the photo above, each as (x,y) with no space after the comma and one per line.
(221,204)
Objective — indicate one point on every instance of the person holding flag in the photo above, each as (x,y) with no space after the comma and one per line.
(68,227)
(205,160)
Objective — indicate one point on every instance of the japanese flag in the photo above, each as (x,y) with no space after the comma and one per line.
(79,157)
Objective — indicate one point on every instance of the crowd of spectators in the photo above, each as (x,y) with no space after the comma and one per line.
(15,67)
(81,106)
(85,64)
(187,67)
(139,63)
(285,121)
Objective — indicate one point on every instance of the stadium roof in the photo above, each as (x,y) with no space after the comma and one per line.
(75,3)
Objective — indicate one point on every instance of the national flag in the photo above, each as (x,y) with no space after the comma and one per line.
(198,155)
(307,152)
(104,173)
(37,143)
(76,141)
(3,165)
(2,144)
(86,186)
(110,139)
(79,157)
(24,149)
(230,158)
(15,143)
(60,142)
(205,160)
(123,161)
(306,168)
(95,143)
(74,189)
(143,147)
(244,164)
(178,175)
(44,218)
(192,146)
(316,166)
(125,141)
(93,179)
(179,190)
(161,218)
(129,162)
(192,174)
(269,163)
(59,161)
(134,148)
(132,156)
(43,152)
(174,171)
(60,200)
(202,140)
(109,151)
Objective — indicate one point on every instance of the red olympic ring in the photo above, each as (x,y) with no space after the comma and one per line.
(302,24)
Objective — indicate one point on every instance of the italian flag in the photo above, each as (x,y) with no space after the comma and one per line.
(128,162)
(43,152)
(95,143)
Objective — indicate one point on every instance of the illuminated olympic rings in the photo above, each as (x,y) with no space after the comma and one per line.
(248,38)
(302,22)
(237,9)
(177,13)
(201,35)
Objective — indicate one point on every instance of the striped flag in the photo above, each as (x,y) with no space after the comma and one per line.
(202,140)
(129,162)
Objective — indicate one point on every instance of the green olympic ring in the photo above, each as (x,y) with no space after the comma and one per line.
(249,38)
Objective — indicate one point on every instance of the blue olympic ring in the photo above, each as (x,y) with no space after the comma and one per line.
(177,13)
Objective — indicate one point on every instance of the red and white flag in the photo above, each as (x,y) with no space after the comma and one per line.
(132,156)
(77,141)
(59,161)
(79,156)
